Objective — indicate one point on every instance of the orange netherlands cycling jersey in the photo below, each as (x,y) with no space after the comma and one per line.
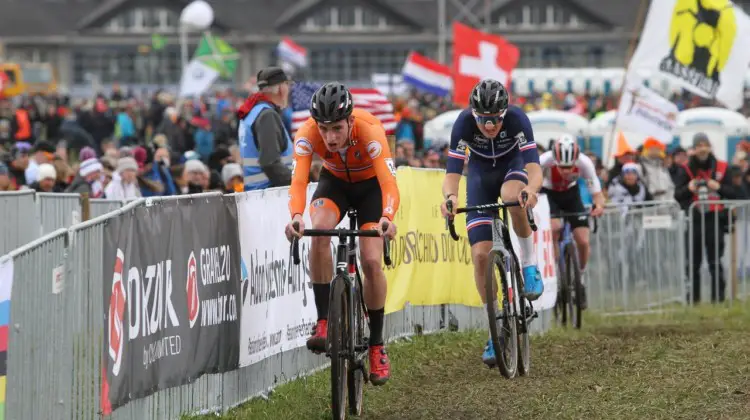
(368,157)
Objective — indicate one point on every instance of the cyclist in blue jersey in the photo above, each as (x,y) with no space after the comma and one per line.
(502,163)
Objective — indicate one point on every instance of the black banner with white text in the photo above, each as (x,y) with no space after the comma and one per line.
(171,296)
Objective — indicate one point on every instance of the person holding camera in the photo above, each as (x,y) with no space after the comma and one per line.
(704,177)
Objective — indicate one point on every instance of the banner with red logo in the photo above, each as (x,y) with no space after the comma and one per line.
(478,55)
(172,300)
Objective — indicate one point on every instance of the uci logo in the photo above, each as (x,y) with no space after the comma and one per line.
(701,36)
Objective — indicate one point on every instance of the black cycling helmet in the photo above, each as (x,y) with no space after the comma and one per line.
(489,97)
(332,102)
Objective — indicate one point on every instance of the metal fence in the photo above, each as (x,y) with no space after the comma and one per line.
(637,259)
(27,215)
(659,257)
(54,355)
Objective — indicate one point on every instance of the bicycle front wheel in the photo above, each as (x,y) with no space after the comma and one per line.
(503,331)
(338,338)
(356,372)
(573,268)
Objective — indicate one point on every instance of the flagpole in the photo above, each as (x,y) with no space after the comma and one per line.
(442,32)
(637,27)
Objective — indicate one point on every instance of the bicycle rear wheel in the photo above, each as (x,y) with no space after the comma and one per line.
(356,373)
(503,329)
(338,338)
(574,285)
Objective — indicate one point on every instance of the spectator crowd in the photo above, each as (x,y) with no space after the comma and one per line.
(124,146)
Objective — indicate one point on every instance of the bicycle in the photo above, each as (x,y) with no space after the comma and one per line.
(515,325)
(569,285)
(346,344)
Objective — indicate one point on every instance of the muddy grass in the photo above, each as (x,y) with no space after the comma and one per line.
(689,365)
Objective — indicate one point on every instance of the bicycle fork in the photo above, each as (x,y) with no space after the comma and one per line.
(526,310)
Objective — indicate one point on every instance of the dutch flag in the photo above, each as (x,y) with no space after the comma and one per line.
(427,75)
(291,52)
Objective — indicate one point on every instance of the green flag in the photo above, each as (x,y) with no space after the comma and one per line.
(215,53)
(158,42)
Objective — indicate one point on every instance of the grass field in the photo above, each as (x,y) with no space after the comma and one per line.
(692,365)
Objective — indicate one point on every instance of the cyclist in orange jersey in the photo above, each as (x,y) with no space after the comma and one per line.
(358,172)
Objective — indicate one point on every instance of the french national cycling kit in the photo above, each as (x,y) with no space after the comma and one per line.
(561,186)
(491,162)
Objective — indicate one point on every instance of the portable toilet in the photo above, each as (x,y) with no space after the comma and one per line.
(601,139)
(550,124)
(725,128)
(437,131)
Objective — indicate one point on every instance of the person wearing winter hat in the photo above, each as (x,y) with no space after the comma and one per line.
(704,177)
(42,152)
(87,153)
(654,171)
(124,185)
(231,175)
(47,179)
(196,175)
(88,179)
(628,188)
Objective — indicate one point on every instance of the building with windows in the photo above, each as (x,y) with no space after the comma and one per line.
(109,41)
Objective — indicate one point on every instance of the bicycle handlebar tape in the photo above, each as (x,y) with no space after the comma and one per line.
(449,221)
(530,216)
(386,247)
(295,245)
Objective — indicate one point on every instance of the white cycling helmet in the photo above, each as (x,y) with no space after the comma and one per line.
(566,150)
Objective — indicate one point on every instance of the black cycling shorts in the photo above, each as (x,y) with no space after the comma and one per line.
(568,201)
(365,197)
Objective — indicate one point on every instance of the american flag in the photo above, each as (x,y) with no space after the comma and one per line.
(367,99)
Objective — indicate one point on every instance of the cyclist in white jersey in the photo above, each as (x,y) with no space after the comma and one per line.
(563,165)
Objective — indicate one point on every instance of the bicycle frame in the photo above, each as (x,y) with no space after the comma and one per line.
(346,264)
(501,241)
(566,237)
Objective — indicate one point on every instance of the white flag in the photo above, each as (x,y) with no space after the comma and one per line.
(644,111)
(700,45)
(197,78)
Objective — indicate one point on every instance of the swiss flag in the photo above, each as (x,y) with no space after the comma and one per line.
(478,55)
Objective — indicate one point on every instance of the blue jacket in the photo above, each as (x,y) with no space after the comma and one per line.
(153,175)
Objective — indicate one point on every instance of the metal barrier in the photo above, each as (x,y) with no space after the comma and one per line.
(18,222)
(637,259)
(58,210)
(101,206)
(28,215)
(718,232)
(54,355)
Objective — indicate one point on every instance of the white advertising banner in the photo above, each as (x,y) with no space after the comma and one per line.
(545,253)
(278,307)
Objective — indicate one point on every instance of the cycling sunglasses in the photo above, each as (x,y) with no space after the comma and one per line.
(489,119)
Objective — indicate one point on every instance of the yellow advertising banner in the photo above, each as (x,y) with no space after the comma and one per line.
(429,267)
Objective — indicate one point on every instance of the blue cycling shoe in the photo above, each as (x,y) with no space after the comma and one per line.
(488,357)
(532,281)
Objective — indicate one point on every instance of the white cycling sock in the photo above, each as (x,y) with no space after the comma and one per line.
(494,303)
(583,277)
(528,253)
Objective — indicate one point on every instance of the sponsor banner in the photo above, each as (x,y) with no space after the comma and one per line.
(702,46)
(6,286)
(172,297)
(278,308)
(430,268)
